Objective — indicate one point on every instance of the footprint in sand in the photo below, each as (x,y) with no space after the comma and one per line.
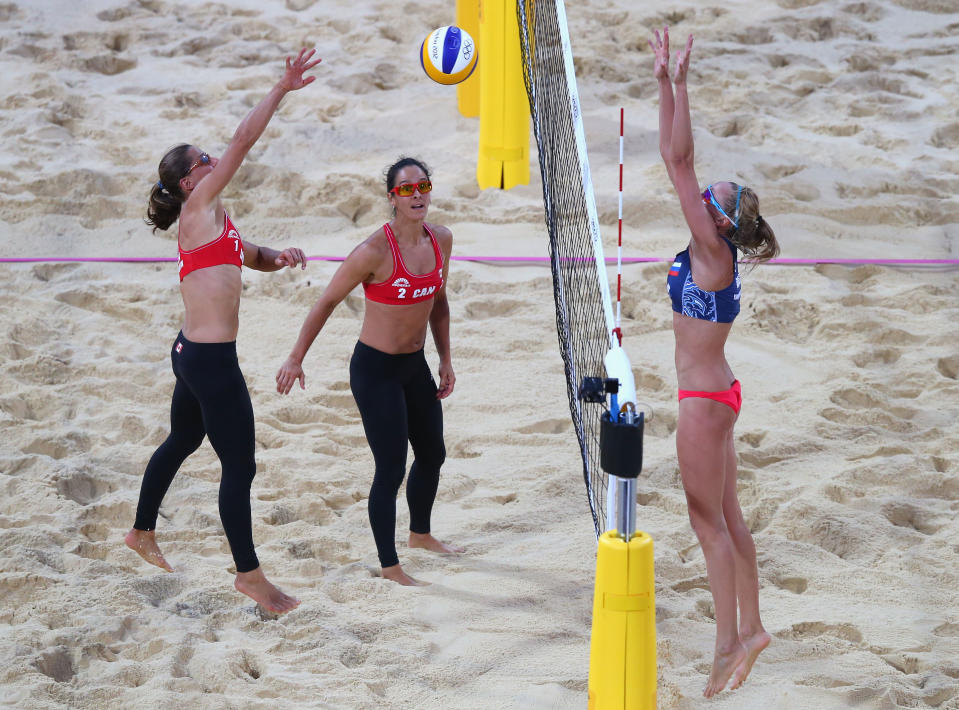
(806,630)
(17,588)
(546,426)
(481,308)
(354,656)
(244,664)
(684,585)
(82,488)
(670,501)
(850,538)
(56,663)
(948,367)
(796,585)
(90,300)
(877,357)
(93,550)
(902,513)
(59,446)
(460,449)
(157,588)
(183,655)
(946,137)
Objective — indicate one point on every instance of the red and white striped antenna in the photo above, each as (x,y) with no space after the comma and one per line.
(619,249)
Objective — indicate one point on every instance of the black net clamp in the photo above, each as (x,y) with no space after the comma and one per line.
(621,446)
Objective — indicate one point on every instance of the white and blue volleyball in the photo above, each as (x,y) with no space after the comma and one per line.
(448,55)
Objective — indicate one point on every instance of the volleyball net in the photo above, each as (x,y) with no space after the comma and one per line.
(584,315)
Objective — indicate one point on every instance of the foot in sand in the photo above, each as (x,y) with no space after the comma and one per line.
(258,588)
(755,645)
(724,664)
(144,543)
(396,574)
(428,542)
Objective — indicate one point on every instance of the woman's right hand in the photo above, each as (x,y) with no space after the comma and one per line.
(293,78)
(290,372)
(661,52)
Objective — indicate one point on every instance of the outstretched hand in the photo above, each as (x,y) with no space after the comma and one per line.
(682,62)
(293,78)
(661,53)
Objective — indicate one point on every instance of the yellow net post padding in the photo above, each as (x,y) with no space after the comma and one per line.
(622,649)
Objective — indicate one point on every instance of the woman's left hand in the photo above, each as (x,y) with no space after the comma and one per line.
(447,382)
(682,62)
(291,256)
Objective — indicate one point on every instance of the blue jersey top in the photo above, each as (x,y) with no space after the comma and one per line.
(690,300)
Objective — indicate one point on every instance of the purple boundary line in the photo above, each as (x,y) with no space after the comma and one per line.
(505,259)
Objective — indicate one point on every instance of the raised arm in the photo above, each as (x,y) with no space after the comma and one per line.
(355,269)
(440,319)
(676,144)
(250,130)
(666,105)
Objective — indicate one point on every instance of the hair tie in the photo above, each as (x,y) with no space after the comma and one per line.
(160,185)
(759,218)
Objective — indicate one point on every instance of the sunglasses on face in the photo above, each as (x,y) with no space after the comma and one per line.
(408,188)
(204,159)
(709,199)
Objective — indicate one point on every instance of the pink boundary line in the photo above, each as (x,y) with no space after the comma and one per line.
(501,259)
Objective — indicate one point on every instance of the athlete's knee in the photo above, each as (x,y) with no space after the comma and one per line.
(387,480)
(238,475)
(431,458)
(707,520)
(738,530)
(182,444)
(438,457)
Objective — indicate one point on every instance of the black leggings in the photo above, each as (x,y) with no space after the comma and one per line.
(396,396)
(210,398)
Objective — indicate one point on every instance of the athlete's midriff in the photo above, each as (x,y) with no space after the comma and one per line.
(395,329)
(211,302)
(700,354)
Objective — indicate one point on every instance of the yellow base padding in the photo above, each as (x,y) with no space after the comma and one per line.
(622,653)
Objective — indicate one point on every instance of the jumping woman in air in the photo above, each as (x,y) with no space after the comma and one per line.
(403,267)
(210,397)
(704,286)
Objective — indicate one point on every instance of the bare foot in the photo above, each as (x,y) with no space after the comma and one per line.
(428,542)
(144,543)
(396,574)
(258,588)
(755,645)
(723,666)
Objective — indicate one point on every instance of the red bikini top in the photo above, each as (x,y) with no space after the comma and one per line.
(225,249)
(404,287)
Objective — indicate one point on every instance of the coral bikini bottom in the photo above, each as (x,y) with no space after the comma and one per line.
(732,397)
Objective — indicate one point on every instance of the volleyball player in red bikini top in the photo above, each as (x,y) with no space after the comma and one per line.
(704,285)
(210,398)
(403,267)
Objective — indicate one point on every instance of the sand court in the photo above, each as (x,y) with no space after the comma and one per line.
(845,124)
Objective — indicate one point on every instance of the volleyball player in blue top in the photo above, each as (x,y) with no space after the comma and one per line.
(704,287)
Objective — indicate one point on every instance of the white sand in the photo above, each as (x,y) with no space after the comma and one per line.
(844,118)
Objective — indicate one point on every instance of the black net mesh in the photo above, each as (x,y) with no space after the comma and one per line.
(580,317)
